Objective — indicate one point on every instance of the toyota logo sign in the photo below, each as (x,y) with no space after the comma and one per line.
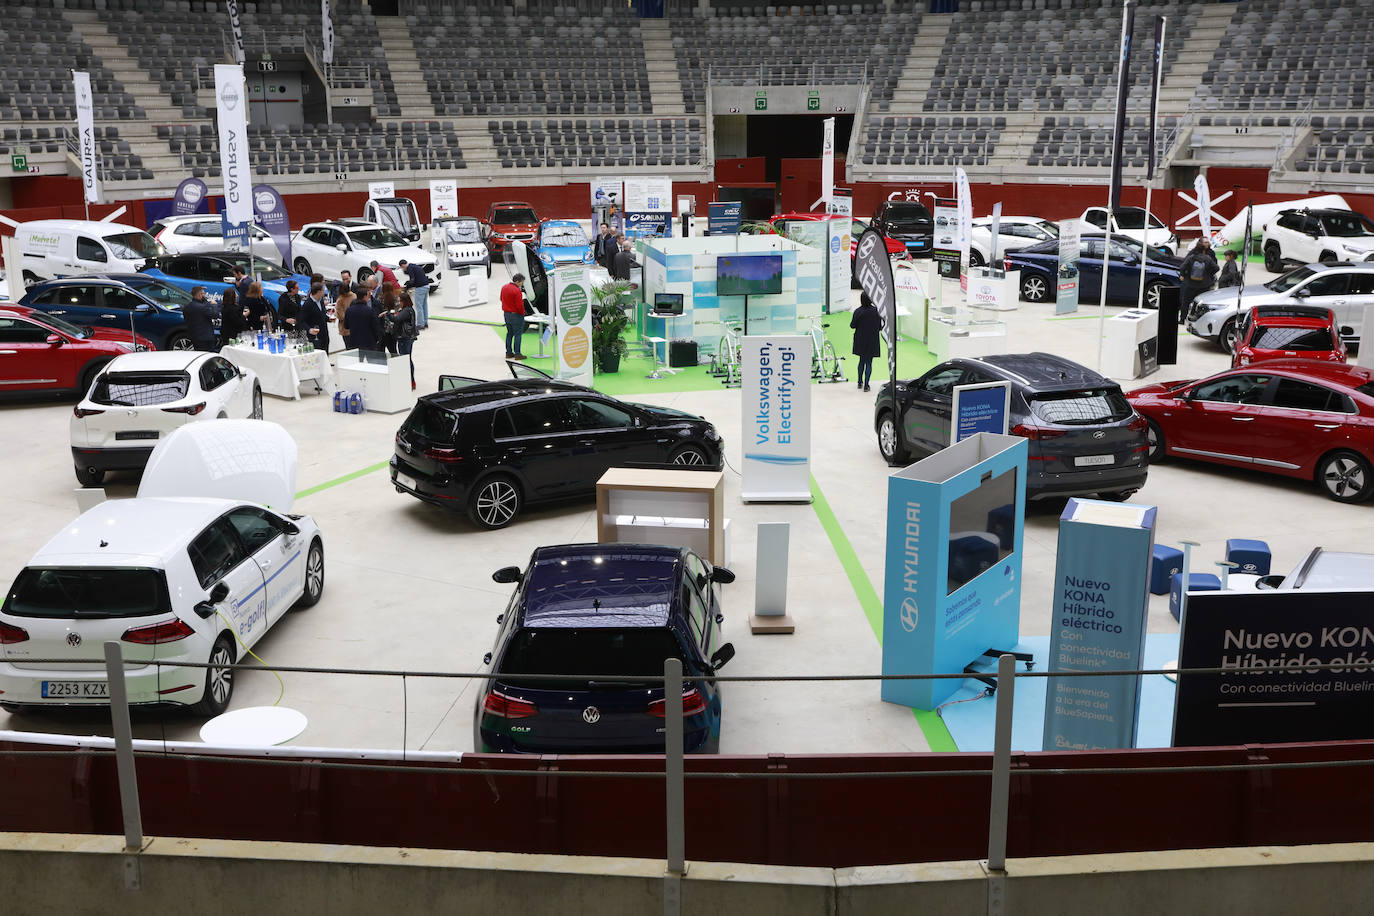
(73,639)
(591,715)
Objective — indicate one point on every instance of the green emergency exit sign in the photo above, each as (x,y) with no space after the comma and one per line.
(761,100)
(19,162)
(813,103)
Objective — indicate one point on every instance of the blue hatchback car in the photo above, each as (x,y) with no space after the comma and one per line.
(562,242)
(215,271)
(583,611)
(150,305)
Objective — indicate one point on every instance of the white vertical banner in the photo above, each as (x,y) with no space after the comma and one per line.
(965,198)
(776,410)
(238,29)
(838,243)
(1204,205)
(231,110)
(85,131)
(443,198)
(827,164)
(381,190)
(573,323)
(327,26)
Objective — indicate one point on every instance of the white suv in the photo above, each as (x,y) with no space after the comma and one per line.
(1013,233)
(353,244)
(189,234)
(1309,236)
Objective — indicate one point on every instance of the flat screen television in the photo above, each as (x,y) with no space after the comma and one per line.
(668,303)
(749,275)
(981,529)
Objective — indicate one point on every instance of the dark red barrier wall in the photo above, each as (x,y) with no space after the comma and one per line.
(852,817)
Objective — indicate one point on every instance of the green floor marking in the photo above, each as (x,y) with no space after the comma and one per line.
(310,491)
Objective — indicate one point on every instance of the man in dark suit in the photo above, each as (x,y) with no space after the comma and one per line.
(606,246)
(624,261)
(364,326)
(200,314)
(313,318)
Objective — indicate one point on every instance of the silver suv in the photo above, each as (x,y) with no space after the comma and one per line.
(1347,289)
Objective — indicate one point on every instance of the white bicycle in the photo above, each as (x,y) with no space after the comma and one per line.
(725,362)
(825,362)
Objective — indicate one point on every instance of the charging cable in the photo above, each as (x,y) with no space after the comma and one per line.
(281,692)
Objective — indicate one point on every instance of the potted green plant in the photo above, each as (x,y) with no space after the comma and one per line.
(610,302)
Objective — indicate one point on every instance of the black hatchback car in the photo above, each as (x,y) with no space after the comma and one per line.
(494,447)
(1083,435)
(583,611)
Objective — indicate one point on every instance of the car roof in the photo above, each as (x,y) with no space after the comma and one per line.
(1290,321)
(511,203)
(601,585)
(561,222)
(93,226)
(132,531)
(82,280)
(1342,374)
(155,361)
(354,222)
(187,217)
(1272,312)
(1323,211)
(1040,371)
(485,394)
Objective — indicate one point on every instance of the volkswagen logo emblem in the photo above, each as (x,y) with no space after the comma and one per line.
(909,615)
(1099,434)
(591,715)
(73,639)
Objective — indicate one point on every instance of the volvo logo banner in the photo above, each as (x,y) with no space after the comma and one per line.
(591,715)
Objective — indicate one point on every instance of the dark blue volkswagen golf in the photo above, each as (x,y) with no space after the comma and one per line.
(588,611)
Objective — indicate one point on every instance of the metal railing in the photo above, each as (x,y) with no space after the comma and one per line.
(1301,121)
(765,74)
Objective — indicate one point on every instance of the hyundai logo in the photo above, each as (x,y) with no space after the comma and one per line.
(909,615)
(1099,434)
(73,639)
(591,715)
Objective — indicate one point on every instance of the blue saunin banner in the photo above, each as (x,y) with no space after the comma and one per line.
(269,211)
(189,197)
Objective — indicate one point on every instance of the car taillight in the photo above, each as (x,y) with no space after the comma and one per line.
(1007,265)
(445,455)
(80,412)
(1137,424)
(498,704)
(191,409)
(157,633)
(693,703)
(1036,433)
(10,635)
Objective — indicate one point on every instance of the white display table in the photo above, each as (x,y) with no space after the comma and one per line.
(960,334)
(470,288)
(281,374)
(383,381)
(644,505)
(1130,345)
(996,290)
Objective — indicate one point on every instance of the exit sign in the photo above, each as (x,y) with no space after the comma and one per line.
(813,104)
(760,100)
(19,162)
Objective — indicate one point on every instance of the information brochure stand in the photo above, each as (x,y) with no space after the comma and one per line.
(652,506)
(952,577)
(1131,347)
(1101,603)
(993,288)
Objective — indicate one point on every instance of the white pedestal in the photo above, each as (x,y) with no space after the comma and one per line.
(954,336)
(470,288)
(994,290)
(385,387)
(1130,340)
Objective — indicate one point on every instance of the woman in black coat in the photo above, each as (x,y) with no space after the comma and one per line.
(261,315)
(233,318)
(867,324)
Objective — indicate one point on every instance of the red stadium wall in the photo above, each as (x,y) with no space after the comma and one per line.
(741,171)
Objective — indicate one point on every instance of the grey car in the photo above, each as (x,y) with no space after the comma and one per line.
(1347,289)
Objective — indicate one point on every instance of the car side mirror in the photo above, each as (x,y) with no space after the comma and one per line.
(1301,293)
(228,280)
(219,592)
(55,340)
(506,575)
(722,575)
(341,247)
(1269,582)
(722,655)
(143,309)
(1347,331)
(292,529)
(486,659)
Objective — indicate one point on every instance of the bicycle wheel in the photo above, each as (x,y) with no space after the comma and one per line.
(830,362)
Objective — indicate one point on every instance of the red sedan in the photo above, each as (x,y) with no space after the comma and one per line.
(41,352)
(1297,417)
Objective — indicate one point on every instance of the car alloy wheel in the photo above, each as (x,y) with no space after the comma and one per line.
(257,403)
(1155,437)
(1228,337)
(495,502)
(219,679)
(314,576)
(689,455)
(303,267)
(1152,294)
(1034,288)
(180,342)
(1346,476)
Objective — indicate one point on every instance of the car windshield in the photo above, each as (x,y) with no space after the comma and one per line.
(431,422)
(376,238)
(66,327)
(267,270)
(1289,280)
(463,231)
(1051,227)
(1081,408)
(513,215)
(133,245)
(164,294)
(87,592)
(140,389)
(564,236)
(1134,218)
(1347,225)
(1292,339)
(579,655)
(907,213)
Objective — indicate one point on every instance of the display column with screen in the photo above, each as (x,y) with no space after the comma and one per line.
(748,275)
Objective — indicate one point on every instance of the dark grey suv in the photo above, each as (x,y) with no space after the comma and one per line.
(1084,437)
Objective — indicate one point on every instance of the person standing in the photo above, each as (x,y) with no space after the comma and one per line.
(867,324)
(241,282)
(345,284)
(1196,274)
(233,317)
(418,282)
(289,306)
(386,275)
(385,308)
(314,321)
(1230,272)
(606,247)
(404,330)
(346,299)
(624,261)
(200,315)
(513,311)
(364,327)
(260,312)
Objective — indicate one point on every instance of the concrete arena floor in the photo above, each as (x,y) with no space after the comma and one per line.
(408,586)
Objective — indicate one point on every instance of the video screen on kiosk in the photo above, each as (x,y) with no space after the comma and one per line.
(749,275)
(668,303)
(982,529)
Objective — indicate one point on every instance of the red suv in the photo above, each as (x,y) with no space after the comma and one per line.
(41,352)
(895,250)
(1287,332)
(508,220)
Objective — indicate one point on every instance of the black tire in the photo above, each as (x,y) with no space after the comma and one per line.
(89,477)
(690,456)
(1345,476)
(1327,257)
(257,403)
(1035,288)
(314,576)
(1273,259)
(219,680)
(974,258)
(178,340)
(488,270)
(889,443)
(1152,293)
(495,502)
(302,267)
(1155,436)
(364,273)
(1227,337)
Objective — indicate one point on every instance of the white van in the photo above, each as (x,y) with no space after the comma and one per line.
(53,248)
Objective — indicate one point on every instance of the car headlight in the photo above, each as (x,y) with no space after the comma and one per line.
(127,346)
(1352,249)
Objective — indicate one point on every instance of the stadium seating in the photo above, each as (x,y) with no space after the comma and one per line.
(1085,141)
(932,141)
(36,79)
(583,142)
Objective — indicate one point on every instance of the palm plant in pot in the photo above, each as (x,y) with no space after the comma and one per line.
(609,320)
